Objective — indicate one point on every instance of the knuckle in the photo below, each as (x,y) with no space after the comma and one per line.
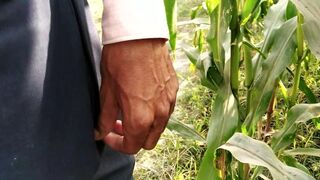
(142,125)
(142,122)
(163,110)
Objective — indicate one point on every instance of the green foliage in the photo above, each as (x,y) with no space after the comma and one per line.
(297,114)
(251,97)
(265,80)
(303,151)
(248,150)
(311,11)
(171,12)
(184,130)
(225,118)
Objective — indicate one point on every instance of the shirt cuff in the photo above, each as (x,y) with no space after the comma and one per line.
(125,20)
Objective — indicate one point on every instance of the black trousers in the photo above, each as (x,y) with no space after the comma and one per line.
(49,94)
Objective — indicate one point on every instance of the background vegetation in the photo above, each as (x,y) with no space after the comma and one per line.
(180,152)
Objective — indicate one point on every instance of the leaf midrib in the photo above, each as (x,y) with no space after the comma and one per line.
(273,65)
(259,157)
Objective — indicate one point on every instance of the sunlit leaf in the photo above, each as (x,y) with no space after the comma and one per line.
(192,53)
(223,124)
(217,37)
(297,114)
(209,73)
(251,151)
(248,8)
(307,91)
(310,10)
(303,151)
(291,10)
(212,4)
(171,12)
(273,21)
(291,161)
(184,130)
(277,61)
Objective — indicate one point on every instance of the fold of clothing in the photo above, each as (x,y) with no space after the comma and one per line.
(49,94)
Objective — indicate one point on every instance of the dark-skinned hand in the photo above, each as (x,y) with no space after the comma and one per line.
(139,81)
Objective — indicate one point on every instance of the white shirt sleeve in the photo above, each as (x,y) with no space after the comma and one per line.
(125,20)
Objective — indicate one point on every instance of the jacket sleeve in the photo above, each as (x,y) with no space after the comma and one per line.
(125,20)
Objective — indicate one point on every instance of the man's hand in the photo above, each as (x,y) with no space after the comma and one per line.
(138,80)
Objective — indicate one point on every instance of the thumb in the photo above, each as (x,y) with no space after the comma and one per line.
(108,111)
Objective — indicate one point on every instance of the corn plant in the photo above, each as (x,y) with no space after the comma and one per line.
(240,140)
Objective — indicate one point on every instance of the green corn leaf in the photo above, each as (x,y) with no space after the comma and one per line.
(217,36)
(194,11)
(276,62)
(253,47)
(212,4)
(208,171)
(307,91)
(291,10)
(192,53)
(184,130)
(283,138)
(273,21)
(248,9)
(171,12)
(209,73)
(310,10)
(298,113)
(251,151)
(284,92)
(223,124)
(303,151)
(213,74)
(291,161)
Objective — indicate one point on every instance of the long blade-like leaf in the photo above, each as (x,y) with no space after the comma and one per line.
(298,113)
(171,12)
(291,161)
(273,21)
(307,91)
(223,124)
(248,8)
(311,27)
(248,150)
(209,73)
(303,151)
(277,61)
(219,21)
(183,130)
